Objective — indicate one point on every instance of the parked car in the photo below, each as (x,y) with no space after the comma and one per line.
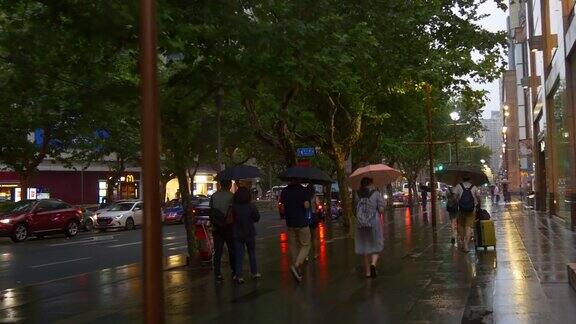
(202,209)
(39,217)
(126,215)
(88,219)
(173,214)
(400,199)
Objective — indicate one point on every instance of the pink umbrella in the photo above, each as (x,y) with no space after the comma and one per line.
(380,173)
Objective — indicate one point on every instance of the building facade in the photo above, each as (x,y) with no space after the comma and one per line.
(543,37)
(492,138)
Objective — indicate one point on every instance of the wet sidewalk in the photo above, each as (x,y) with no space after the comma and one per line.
(422,279)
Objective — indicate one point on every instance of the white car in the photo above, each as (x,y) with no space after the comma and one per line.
(126,215)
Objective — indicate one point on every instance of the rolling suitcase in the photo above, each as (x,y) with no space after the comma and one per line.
(485,234)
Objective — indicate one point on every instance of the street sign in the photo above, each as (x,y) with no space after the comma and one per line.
(305,152)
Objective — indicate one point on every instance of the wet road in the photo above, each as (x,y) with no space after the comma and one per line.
(54,257)
(422,279)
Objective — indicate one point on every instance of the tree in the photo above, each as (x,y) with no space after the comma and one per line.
(42,92)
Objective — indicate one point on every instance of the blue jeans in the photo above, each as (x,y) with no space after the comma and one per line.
(250,244)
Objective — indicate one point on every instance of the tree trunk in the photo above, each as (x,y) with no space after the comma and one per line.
(410,191)
(189,221)
(344,195)
(24,184)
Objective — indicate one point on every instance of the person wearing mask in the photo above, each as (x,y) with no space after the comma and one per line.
(468,196)
(369,239)
(222,227)
(294,202)
(245,214)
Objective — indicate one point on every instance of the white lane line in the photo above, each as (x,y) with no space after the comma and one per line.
(106,238)
(125,244)
(183,247)
(173,243)
(103,242)
(275,226)
(60,262)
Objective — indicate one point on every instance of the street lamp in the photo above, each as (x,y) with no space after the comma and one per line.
(455,116)
(505,107)
(482,161)
(504,129)
(469,139)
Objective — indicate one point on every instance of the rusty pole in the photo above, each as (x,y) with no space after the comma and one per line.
(428,104)
(153,287)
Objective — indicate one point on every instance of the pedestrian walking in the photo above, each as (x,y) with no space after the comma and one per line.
(314,218)
(369,238)
(424,194)
(468,201)
(222,227)
(452,209)
(294,201)
(245,214)
(497,194)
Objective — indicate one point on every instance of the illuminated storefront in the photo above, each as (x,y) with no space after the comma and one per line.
(204,184)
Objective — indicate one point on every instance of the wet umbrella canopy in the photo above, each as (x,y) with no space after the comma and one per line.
(310,174)
(453,175)
(381,174)
(239,172)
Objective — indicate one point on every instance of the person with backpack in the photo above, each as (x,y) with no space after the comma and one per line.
(452,209)
(245,214)
(222,227)
(294,203)
(468,200)
(369,239)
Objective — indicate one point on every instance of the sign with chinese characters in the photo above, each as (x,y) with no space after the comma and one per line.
(305,152)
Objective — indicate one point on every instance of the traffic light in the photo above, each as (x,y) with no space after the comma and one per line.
(439,167)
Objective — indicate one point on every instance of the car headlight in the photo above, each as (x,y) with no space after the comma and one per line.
(5,221)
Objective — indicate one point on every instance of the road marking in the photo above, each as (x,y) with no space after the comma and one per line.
(173,243)
(102,242)
(106,238)
(60,262)
(125,244)
(178,248)
(275,226)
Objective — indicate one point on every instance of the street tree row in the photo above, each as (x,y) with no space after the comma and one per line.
(345,76)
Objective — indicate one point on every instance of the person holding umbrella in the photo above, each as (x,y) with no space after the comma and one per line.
(468,196)
(369,238)
(294,203)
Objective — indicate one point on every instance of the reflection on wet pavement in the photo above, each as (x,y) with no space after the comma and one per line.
(422,278)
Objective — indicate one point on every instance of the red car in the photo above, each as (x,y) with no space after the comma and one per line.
(39,218)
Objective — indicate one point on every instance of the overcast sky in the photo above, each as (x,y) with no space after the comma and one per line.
(495,22)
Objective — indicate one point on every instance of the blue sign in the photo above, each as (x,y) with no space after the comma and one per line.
(305,152)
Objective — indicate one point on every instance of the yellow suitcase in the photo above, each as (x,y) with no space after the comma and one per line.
(485,234)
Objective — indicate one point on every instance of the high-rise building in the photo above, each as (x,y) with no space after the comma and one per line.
(492,138)
(538,92)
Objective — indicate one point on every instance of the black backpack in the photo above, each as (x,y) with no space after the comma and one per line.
(466,203)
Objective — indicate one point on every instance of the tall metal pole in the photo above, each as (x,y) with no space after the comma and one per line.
(456,142)
(428,104)
(153,286)
(218,102)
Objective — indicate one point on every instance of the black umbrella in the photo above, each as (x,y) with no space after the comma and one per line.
(309,174)
(453,175)
(239,172)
